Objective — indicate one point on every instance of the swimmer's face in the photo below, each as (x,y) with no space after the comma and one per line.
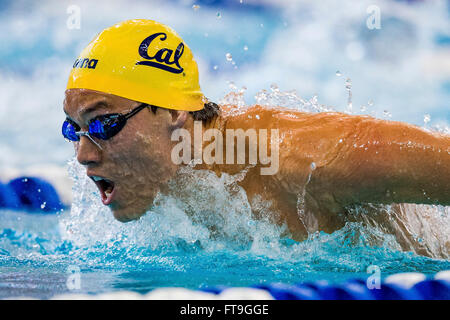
(134,164)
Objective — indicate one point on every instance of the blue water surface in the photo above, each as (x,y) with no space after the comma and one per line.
(166,248)
(393,71)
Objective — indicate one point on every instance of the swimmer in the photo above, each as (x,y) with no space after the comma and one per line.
(135,87)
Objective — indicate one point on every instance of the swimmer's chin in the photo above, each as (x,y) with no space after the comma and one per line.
(127,216)
(124,213)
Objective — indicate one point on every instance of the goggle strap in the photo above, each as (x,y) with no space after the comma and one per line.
(136,110)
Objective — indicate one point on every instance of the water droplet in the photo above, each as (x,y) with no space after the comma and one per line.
(241,1)
(257,116)
(215,67)
(348,84)
(348,87)
(370,103)
(262,25)
(338,73)
(43,205)
(195,7)
(363,108)
(218,15)
(313,165)
(426,118)
(229,56)
(245,48)
(38,190)
(231,85)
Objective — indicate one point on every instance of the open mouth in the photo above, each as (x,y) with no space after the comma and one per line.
(106,188)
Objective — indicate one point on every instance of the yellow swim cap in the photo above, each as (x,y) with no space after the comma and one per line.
(140,60)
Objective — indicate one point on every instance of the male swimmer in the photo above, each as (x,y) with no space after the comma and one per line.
(135,86)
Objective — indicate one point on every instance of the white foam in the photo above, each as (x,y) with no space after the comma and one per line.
(178,294)
(405,280)
(245,294)
(73,296)
(119,295)
(443,275)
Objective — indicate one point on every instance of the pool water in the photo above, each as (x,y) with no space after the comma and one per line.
(394,73)
(167,248)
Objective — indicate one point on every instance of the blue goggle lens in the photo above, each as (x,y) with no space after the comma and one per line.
(96,129)
(103,127)
(69,131)
(106,127)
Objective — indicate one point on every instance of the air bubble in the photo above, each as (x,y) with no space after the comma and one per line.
(348,87)
(232,86)
(338,73)
(274,87)
(195,7)
(229,56)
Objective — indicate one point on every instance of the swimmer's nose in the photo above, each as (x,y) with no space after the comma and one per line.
(88,153)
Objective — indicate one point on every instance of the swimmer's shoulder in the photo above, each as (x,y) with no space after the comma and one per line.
(277,116)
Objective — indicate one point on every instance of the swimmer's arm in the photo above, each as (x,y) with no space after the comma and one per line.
(390,162)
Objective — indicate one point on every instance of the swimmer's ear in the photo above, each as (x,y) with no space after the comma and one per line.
(178,118)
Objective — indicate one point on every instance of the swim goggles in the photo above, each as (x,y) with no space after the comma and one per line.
(103,126)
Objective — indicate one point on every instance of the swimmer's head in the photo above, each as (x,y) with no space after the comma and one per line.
(141,60)
(143,69)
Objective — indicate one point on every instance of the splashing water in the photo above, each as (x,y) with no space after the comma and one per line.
(202,233)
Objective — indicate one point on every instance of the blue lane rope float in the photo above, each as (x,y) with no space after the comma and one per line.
(8,198)
(34,194)
(282,291)
(30,194)
(433,289)
(355,289)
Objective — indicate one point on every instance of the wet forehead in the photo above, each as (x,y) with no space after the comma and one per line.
(80,102)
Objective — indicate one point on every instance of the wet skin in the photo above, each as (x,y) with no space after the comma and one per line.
(328,163)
